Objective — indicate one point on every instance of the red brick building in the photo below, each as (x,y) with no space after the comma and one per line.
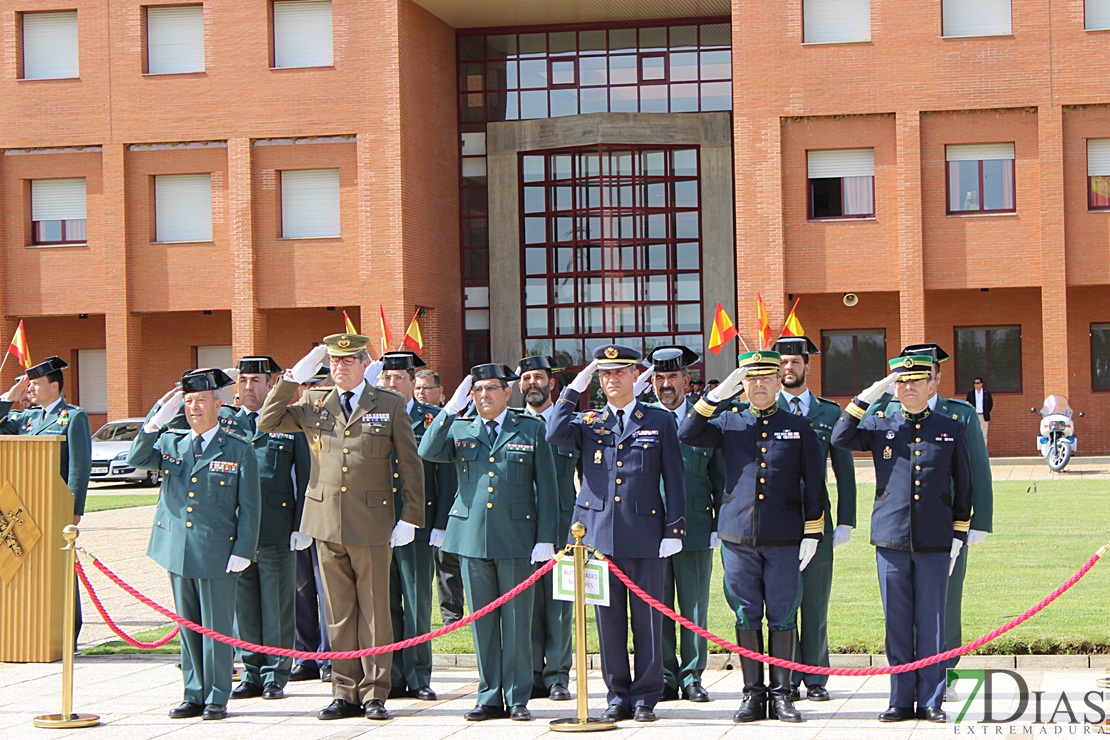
(181,184)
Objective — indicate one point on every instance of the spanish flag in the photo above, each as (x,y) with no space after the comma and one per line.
(350,325)
(793,327)
(764,323)
(18,347)
(413,339)
(387,337)
(723,330)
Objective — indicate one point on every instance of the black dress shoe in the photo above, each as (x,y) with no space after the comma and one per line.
(520,713)
(616,712)
(339,709)
(897,714)
(272,691)
(816,692)
(932,714)
(246,690)
(669,694)
(304,672)
(696,692)
(482,712)
(215,711)
(425,694)
(375,709)
(325,674)
(538,692)
(752,709)
(795,694)
(643,714)
(398,692)
(559,692)
(186,709)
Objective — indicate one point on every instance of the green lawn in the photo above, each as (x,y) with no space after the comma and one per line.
(107,502)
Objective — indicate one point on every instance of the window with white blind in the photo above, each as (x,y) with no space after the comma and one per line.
(980,177)
(175,39)
(976,17)
(1098,174)
(841,183)
(1096,15)
(217,355)
(50,45)
(58,211)
(309,203)
(836,21)
(183,208)
(92,380)
(302,33)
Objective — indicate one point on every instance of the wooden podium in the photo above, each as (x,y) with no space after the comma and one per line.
(35,505)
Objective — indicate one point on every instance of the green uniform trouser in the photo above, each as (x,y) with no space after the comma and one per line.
(688,574)
(265,613)
(206,664)
(953,616)
(552,635)
(410,607)
(813,642)
(502,638)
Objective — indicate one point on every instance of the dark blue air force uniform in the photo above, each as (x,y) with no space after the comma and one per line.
(922,503)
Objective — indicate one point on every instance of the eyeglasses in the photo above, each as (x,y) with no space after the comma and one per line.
(485,390)
(348,360)
(427,387)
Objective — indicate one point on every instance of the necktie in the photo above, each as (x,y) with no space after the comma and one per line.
(198,447)
(797,404)
(491,430)
(253,420)
(620,421)
(347,395)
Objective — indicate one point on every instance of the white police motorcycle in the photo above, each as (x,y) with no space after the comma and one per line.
(1056,441)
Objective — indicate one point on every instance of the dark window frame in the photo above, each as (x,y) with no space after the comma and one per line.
(948,188)
(1090,194)
(987,372)
(857,382)
(1100,326)
(37,241)
(853,216)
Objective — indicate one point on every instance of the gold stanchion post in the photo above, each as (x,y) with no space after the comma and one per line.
(583,722)
(67,719)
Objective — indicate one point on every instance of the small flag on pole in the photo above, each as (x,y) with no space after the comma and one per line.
(18,347)
(349,325)
(793,327)
(723,330)
(387,337)
(413,339)
(764,323)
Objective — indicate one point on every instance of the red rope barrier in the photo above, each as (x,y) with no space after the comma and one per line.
(111,623)
(875,671)
(342,655)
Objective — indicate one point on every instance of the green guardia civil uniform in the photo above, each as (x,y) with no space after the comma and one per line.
(813,642)
(507,502)
(64,420)
(689,572)
(209,509)
(413,568)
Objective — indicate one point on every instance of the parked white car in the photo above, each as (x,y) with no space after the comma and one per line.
(110,446)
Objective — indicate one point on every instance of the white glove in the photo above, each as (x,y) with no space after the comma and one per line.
(581,382)
(729,387)
(373,372)
(461,398)
(236,564)
(806,552)
(643,382)
(975,536)
(714,540)
(956,546)
(842,535)
(670,546)
(403,534)
(298,541)
(163,415)
(542,552)
(436,538)
(872,393)
(308,365)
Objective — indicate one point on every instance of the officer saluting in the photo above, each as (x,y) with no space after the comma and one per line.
(633,503)
(205,528)
(918,526)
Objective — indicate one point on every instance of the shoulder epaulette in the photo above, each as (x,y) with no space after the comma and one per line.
(234,434)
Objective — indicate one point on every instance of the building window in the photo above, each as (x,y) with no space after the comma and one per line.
(1096,15)
(611,249)
(58,211)
(50,45)
(302,33)
(1098,174)
(836,21)
(309,203)
(1100,357)
(992,353)
(851,360)
(174,39)
(183,208)
(841,183)
(92,380)
(980,178)
(976,17)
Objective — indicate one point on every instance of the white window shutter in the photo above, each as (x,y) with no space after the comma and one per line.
(58,200)
(175,39)
(50,45)
(302,33)
(841,163)
(309,203)
(1096,14)
(832,21)
(92,380)
(217,355)
(183,208)
(976,152)
(976,17)
(1098,157)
